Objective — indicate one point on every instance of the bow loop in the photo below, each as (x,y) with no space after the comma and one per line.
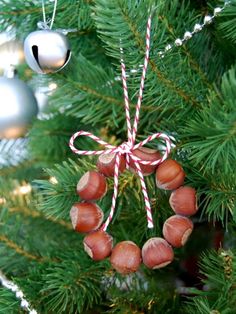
(110,148)
(149,139)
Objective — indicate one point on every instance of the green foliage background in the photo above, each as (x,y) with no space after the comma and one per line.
(190,94)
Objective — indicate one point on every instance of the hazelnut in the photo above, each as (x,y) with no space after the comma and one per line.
(126,257)
(183,201)
(92,186)
(98,244)
(106,164)
(157,253)
(169,175)
(86,216)
(177,229)
(146,154)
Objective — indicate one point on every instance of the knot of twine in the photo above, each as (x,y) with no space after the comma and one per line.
(43,25)
(127,148)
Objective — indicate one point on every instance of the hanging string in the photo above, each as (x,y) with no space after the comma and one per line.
(132,135)
(44,13)
(128,147)
(140,97)
(45,22)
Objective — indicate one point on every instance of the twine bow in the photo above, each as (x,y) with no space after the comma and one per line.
(128,147)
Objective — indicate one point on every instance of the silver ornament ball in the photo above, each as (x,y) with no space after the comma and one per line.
(18,107)
(46,51)
(11,54)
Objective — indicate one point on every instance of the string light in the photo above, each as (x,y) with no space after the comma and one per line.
(196,29)
(2,200)
(23,189)
(18,293)
(52,86)
(53,180)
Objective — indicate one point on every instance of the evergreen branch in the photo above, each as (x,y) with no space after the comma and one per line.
(219,271)
(23,12)
(57,199)
(29,3)
(21,229)
(196,67)
(149,299)
(35,214)
(97,94)
(9,171)
(188,52)
(106,99)
(227,24)
(8,302)
(217,198)
(16,162)
(12,245)
(48,139)
(85,101)
(212,132)
(77,291)
(127,19)
(172,86)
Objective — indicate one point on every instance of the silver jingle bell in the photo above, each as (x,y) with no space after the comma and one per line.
(18,107)
(46,51)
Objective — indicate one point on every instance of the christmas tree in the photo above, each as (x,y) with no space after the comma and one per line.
(189,95)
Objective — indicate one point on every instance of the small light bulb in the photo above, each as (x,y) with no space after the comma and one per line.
(24,303)
(178,42)
(2,200)
(24,189)
(53,180)
(168,47)
(19,294)
(52,86)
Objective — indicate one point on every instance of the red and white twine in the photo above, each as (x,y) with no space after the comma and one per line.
(128,147)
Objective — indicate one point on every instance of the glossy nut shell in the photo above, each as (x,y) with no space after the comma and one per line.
(92,186)
(169,175)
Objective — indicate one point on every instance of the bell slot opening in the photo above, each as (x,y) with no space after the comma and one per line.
(36,54)
(68,55)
